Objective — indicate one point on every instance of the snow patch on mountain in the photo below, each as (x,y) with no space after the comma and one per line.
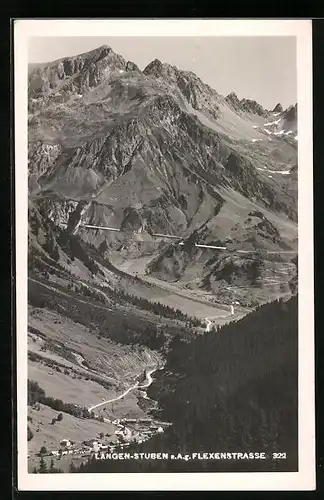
(272,123)
(282,172)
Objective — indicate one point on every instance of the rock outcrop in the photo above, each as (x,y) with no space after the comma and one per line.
(246,105)
(278,108)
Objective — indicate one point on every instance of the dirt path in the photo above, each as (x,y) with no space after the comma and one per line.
(209,324)
(232,314)
(149,381)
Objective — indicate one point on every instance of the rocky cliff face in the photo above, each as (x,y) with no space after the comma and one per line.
(152,151)
(278,108)
(78,74)
(196,93)
(289,117)
(246,105)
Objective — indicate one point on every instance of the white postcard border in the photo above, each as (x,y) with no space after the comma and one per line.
(305,478)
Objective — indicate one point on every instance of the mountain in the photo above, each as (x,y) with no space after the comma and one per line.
(285,123)
(159,151)
(77,74)
(290,118)
(246,105)
(278,108)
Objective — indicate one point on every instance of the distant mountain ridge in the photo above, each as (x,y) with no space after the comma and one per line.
(248,105)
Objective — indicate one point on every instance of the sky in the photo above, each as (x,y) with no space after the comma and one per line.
(261,68)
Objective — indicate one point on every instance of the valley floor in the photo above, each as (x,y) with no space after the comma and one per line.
(74,361)
(197,303)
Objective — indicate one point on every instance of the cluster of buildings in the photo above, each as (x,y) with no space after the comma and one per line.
(86,448)
(129,430)
(136,430)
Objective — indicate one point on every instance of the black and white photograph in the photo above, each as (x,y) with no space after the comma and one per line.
(164,218)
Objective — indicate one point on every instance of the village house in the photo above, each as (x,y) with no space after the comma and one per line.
(89,442)
(95,446)
(66,443)
(157,428)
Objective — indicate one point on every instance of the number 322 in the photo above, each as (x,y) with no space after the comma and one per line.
(279,455)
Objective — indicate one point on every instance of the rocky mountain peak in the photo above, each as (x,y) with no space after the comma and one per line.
(166,71)
(104,49)
(290,113)
(154,67)
(99,53)
(278,108)
(247,105)
(77,74)
(252,106)
(232,97)
(131,66)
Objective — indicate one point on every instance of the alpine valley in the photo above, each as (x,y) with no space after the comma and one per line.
(160,158)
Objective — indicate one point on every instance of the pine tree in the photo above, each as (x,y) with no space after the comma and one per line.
(52,468)
(29,433)
(42,466)
(72,468)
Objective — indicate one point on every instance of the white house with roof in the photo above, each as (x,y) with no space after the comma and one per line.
(95,446)
(66,442)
